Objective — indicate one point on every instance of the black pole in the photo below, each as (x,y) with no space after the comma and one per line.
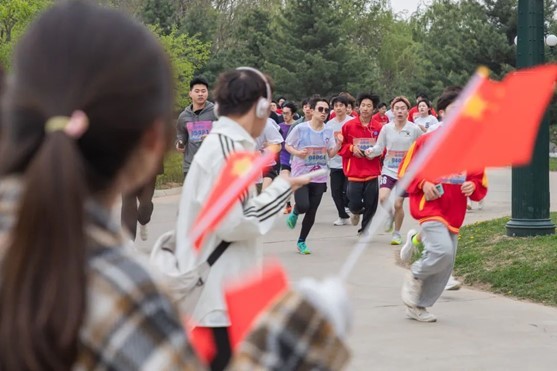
(530,184)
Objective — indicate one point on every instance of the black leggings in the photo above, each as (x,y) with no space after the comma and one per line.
(363,198)
(307,201)
(339,183)
(132,212)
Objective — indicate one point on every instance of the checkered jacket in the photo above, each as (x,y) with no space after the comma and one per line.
(128,324)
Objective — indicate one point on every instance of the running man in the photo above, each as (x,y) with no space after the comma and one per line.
(288,111)
(440,207)
(311,145)
(339,182)
(396,138)
(358,135)
(195,122)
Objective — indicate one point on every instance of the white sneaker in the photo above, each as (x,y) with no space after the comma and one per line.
(396,239)
(420,314)
(411,289)
(408,250)
(453,284)
(355,219)
(342,221)
(481,205)
(143,233)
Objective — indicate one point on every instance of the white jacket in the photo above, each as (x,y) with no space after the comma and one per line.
(250,218)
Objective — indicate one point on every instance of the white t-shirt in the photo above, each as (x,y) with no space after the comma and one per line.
(426,122)
(336,126)
(317,143)
(397,144)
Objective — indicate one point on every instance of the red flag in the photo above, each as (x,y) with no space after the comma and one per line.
(202,341)
(495,124)
(238,173)
(246,301)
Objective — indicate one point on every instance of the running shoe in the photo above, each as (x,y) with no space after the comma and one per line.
(396,239)
(355,219)
(409,249)
(342,221)
(420,314)
(291,220)
(303,249)
(453,284)
(143,232)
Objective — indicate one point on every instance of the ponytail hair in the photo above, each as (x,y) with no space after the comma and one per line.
(68,60)
(46,289)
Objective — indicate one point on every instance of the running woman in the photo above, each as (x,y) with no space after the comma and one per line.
(311,145)
(396,138)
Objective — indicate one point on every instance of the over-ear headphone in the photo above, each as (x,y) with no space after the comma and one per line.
(263,104)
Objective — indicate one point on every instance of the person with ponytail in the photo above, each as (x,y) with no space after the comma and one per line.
(86,117)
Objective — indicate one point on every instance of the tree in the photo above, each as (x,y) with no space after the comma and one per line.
(15,15)
(160,13)
(187,54)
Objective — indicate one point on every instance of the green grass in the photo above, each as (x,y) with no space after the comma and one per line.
(173,175)
(552,164)
(524,268)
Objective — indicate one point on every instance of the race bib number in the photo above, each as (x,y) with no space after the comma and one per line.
(453,179)
(317,156)
(393,159)
(198,130)
(364,143)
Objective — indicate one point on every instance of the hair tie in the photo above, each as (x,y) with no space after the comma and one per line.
(74,126)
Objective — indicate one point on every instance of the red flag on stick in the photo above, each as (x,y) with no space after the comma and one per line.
(495,124)
(246,301)
(239,172)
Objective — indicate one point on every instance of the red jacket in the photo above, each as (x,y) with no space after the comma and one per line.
(382,119)
(359,169)
(450,208)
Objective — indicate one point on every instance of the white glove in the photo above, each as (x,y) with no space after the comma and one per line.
(331,299)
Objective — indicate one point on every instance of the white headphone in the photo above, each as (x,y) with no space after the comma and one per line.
(263,104)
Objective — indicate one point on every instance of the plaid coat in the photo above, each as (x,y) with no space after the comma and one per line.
(130,324)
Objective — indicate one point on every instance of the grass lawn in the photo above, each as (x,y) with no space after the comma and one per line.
(525,267)
(173,175)
(552,164)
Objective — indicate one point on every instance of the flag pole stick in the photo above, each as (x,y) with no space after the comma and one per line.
(429,149)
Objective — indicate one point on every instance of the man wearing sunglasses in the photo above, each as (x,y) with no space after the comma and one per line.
(311,145)
(358,135)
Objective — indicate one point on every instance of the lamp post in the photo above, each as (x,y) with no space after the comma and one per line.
(530,184)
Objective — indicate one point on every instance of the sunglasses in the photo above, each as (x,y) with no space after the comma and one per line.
(322,109)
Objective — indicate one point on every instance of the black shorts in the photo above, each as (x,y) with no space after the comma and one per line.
(285,167)
(270,172)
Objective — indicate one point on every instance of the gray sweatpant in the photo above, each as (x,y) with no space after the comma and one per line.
(436,264)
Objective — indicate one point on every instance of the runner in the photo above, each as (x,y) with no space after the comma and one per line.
(271,140)
(288,111)
(195,122)
(358,135)
(425,119)
(396,137)
(381,116)
(339,182)
(311,144)
(440,207)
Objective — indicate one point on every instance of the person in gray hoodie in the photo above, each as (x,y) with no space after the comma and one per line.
(195,122)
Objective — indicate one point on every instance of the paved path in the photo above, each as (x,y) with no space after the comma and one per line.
(475,330)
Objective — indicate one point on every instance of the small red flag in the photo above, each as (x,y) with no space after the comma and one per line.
(495,125)
(238,173)
(246,301)
(202,341)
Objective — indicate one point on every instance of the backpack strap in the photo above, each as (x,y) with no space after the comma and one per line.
(219,250)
